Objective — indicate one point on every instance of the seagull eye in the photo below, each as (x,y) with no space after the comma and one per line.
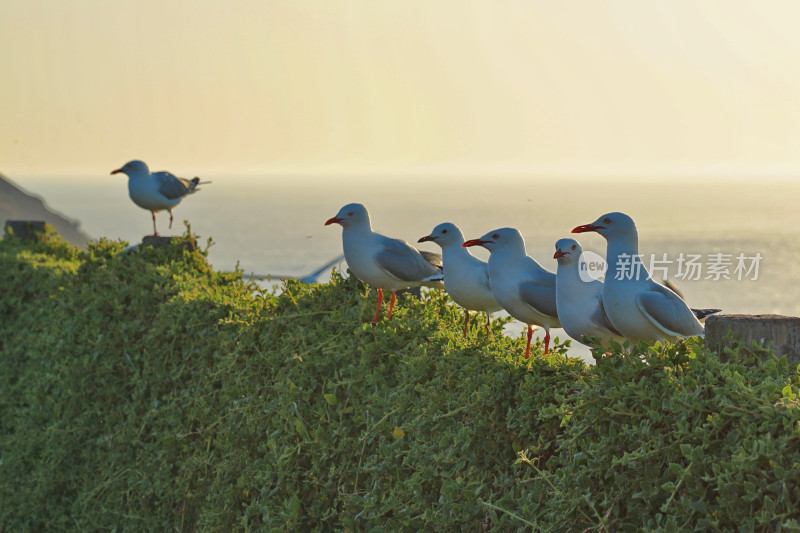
(444,231)
(573,246)
(606,220)
(350,214)
(495,236)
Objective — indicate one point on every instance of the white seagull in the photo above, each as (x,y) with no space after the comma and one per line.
(159,191)
(466,278)
(637,306)
(579,298)
(524,289)
(380,261)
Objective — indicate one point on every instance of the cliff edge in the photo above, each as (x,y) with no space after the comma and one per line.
(17,204)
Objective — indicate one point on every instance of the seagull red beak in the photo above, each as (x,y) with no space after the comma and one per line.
(559,253)
(118,171)
(333,220)
(473,242)
(587,227)
(427,238)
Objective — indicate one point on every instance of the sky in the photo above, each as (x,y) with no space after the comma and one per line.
(455,87)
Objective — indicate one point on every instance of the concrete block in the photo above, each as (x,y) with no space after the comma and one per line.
(25,229)
(164,241)
(781,333)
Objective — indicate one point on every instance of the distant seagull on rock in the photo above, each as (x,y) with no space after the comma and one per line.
(637,306)
(466,278)
(524,289)
(579,298)
(381,261)
(159,191)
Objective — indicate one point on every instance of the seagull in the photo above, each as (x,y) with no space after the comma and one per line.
(524,289)
(637,306)
(158,191)
(381,261)
(700,314)
(578,298)
(466,278)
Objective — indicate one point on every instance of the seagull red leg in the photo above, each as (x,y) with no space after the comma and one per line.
(155,231)
(170,219)
(466,322)
(547,340)
(378,307)
(488,323)
(528,347)
(391,305)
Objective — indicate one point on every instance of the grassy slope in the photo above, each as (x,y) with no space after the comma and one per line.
(147,392)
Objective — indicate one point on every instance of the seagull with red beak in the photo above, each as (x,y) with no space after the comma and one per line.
(579,298)
(157,191)
(383,262)
(637,306)
(524,289)
(466,278)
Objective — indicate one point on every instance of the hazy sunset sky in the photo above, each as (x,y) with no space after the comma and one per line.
(425,86)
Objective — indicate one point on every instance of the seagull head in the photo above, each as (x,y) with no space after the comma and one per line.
(567,251)
(350,215)
(445,234)
(132,168)
(610,225)
(503,238)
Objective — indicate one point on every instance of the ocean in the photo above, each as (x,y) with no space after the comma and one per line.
(730,243)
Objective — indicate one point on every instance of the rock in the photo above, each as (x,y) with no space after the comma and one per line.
(413,292)
(17,204)
(163,242)
(781,333)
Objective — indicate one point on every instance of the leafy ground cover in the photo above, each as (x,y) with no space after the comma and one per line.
(146,391)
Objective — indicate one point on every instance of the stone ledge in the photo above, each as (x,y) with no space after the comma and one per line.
(25,229)
(781,333)
(161,241)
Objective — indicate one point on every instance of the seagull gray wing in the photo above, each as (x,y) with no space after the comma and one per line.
(433,258)
(172,186)
(668,312)
(674,288)
(600,319)
(540,295)
(401,260)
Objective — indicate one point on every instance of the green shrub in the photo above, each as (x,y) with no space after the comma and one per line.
(146,391)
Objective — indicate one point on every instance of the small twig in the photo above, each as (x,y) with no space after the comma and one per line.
(675,490)
(451,413)
(364,446)
(299,315)
(539,471)
(509,513)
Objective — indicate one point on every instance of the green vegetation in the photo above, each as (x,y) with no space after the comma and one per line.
(145,391)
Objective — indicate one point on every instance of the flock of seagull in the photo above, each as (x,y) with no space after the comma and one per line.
(621,307)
